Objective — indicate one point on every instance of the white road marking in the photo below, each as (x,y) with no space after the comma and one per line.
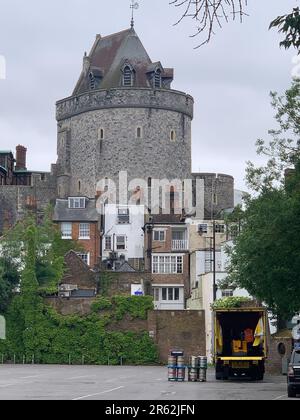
(30,377)
(99,393)
(279,398)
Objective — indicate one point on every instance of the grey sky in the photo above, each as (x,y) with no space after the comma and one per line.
(44,41)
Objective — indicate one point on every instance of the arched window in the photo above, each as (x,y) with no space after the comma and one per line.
(92,81)
(79,186)
(127,76)
(172,135)
(157,79)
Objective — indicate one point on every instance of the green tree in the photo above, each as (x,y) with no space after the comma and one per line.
(9,280)
(49,249)
(266,259)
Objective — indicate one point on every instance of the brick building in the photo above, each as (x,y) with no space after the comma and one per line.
(167,258)
(79,220)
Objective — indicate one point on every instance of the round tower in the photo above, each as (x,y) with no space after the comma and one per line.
(123,116)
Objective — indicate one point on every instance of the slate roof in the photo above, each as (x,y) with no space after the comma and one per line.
(62,213)
(108,56)
(126,268)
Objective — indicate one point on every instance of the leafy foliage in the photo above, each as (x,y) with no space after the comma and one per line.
(265,259)
(230,302)
(9,279)
(289,25)
(49,250)
(52,338)
(134,306)
(283,150)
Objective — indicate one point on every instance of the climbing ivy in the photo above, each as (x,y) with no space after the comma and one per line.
(55,339)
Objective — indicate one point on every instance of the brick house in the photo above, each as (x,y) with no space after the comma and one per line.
(79,280)
(79,221)
(167,246)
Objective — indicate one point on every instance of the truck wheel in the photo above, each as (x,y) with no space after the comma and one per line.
(260,376)
(291,392)
(219,376)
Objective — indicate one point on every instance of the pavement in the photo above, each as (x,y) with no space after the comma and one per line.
(21,382)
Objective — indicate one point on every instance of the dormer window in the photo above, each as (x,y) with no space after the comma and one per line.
(77,203)
(128,76)
(157,79)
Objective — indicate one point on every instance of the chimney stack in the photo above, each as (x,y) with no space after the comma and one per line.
(20,158)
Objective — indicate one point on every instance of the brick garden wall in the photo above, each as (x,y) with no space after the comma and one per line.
(179,329)
(275,359)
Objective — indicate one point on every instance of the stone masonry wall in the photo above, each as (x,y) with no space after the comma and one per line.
(220,185)
(84,157)
(16,201)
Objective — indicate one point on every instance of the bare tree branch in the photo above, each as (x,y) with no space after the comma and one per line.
(210,13)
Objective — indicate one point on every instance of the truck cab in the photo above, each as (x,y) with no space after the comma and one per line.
(240,343)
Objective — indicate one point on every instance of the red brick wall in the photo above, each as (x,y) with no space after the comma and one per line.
(91,245)
(184,330)
(274,362)
(181,279)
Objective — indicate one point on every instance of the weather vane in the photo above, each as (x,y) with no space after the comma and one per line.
(134,6)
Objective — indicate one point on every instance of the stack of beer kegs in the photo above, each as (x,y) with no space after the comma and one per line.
(202,368)
(193,369)
(198,369)
(172,371)
(176,367)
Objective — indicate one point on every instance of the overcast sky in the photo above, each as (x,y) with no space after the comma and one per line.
(230,79)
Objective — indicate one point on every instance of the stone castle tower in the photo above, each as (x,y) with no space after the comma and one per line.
(122,115)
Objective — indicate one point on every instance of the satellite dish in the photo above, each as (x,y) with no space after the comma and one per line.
(136,6)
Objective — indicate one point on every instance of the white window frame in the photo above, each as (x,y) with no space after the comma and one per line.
(170,291)
(227,293)
(77,203)
(126,213)
(161,235)
(84,231)
(85,256)
(167,264)
(66,230)
(108,239)
(117,246)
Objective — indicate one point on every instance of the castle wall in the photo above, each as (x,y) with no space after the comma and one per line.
(16,201)
(86,158)
(218,193)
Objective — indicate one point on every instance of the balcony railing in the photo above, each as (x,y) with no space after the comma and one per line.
(180,245)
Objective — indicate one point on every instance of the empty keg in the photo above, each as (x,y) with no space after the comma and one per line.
(193,375)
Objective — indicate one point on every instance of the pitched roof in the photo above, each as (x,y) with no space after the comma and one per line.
(126,268)
(62,213)
(108,56)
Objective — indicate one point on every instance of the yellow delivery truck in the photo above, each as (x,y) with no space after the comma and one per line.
(240,343)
